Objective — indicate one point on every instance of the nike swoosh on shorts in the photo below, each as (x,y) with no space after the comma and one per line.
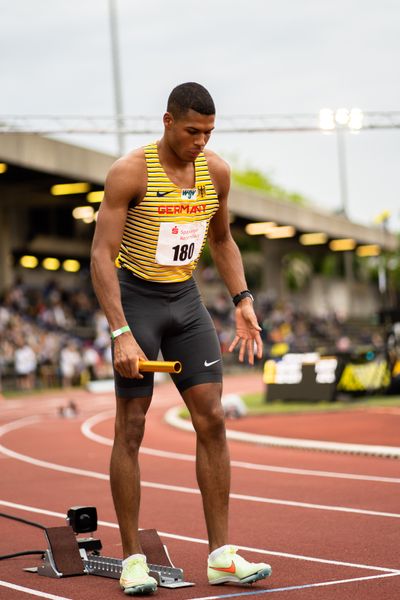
(208,364)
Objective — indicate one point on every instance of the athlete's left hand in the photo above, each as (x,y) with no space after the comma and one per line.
(247,332)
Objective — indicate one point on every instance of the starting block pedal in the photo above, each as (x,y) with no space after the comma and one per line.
(64,558)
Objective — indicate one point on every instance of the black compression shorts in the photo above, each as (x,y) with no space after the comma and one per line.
(170,317)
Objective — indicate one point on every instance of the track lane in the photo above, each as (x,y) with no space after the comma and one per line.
(326,535)
(305,526)
(244,485)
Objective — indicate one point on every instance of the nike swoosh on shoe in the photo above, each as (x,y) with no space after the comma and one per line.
(231,569)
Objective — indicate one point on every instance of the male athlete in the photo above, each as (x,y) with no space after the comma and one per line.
(161,203)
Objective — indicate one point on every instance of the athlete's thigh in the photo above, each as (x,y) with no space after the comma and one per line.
(194,342)
(144,317)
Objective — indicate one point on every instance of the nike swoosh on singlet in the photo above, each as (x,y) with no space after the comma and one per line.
(161,194)
(208,364)
(231,569)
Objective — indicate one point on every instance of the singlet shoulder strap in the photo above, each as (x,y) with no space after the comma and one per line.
(151,155)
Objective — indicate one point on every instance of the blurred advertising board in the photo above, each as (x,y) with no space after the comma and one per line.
(310,376)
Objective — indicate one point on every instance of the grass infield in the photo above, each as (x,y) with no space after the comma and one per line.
(256,405)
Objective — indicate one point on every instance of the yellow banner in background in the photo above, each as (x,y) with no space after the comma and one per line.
(373,375)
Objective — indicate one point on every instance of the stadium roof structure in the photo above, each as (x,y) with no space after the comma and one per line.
(54,157)
(255,206)
(35,163)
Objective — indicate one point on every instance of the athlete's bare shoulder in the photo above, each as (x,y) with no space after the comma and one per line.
(219,170)
(127,177)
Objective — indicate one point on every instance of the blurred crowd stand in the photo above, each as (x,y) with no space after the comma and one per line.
(54,337)
(51,337)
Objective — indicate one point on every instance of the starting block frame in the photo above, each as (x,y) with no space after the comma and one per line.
(64,558)
(166,576)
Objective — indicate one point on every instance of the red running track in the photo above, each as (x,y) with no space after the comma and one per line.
(328,523)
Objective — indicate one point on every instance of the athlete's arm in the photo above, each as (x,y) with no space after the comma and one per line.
(125,182)
(227,259)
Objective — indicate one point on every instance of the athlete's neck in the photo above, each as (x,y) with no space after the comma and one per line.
(178,170)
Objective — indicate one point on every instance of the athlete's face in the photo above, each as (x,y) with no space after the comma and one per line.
(188,135)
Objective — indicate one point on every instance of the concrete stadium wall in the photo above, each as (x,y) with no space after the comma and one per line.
(348,299)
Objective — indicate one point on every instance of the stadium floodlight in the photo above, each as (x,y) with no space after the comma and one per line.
(339,120)
(51,264)
(368,250)
(313,239)
(330,119)
(356,120)
(94,197)
(342,116)
(83,212)
(71,265)
(326,119)
(286,231)
(66,189)
(342,245)
(28,261)
(260,228)
(3,168)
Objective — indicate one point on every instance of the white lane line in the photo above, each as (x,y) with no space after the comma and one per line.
(193,540)
(297,587)
(17,424)
(187,490)
(52,466)
(172,418)
(195,491)
(262,500)
(32,592)
(87,426)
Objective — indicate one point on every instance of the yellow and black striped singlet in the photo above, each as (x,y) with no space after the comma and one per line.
(169,226)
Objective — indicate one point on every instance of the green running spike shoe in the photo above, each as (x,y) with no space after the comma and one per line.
(135,579)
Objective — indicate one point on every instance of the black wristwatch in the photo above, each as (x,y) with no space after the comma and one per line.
(245,294)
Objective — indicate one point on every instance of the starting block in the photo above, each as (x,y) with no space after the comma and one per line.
(69,556)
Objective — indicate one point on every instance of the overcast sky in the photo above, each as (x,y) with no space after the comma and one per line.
(254,56)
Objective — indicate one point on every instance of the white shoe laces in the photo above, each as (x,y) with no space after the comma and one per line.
(133,562)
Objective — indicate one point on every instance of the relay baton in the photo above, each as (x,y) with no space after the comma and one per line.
(163,366)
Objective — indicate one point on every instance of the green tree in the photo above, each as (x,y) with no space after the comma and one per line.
(297,270)
(251,178)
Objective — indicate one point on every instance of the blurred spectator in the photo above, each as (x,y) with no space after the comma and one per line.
(91,360)
(50,335)
(70,364)
(25,365)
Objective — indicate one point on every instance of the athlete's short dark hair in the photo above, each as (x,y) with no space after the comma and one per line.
(188,96)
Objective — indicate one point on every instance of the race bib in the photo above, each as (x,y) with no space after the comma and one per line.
(180,243)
